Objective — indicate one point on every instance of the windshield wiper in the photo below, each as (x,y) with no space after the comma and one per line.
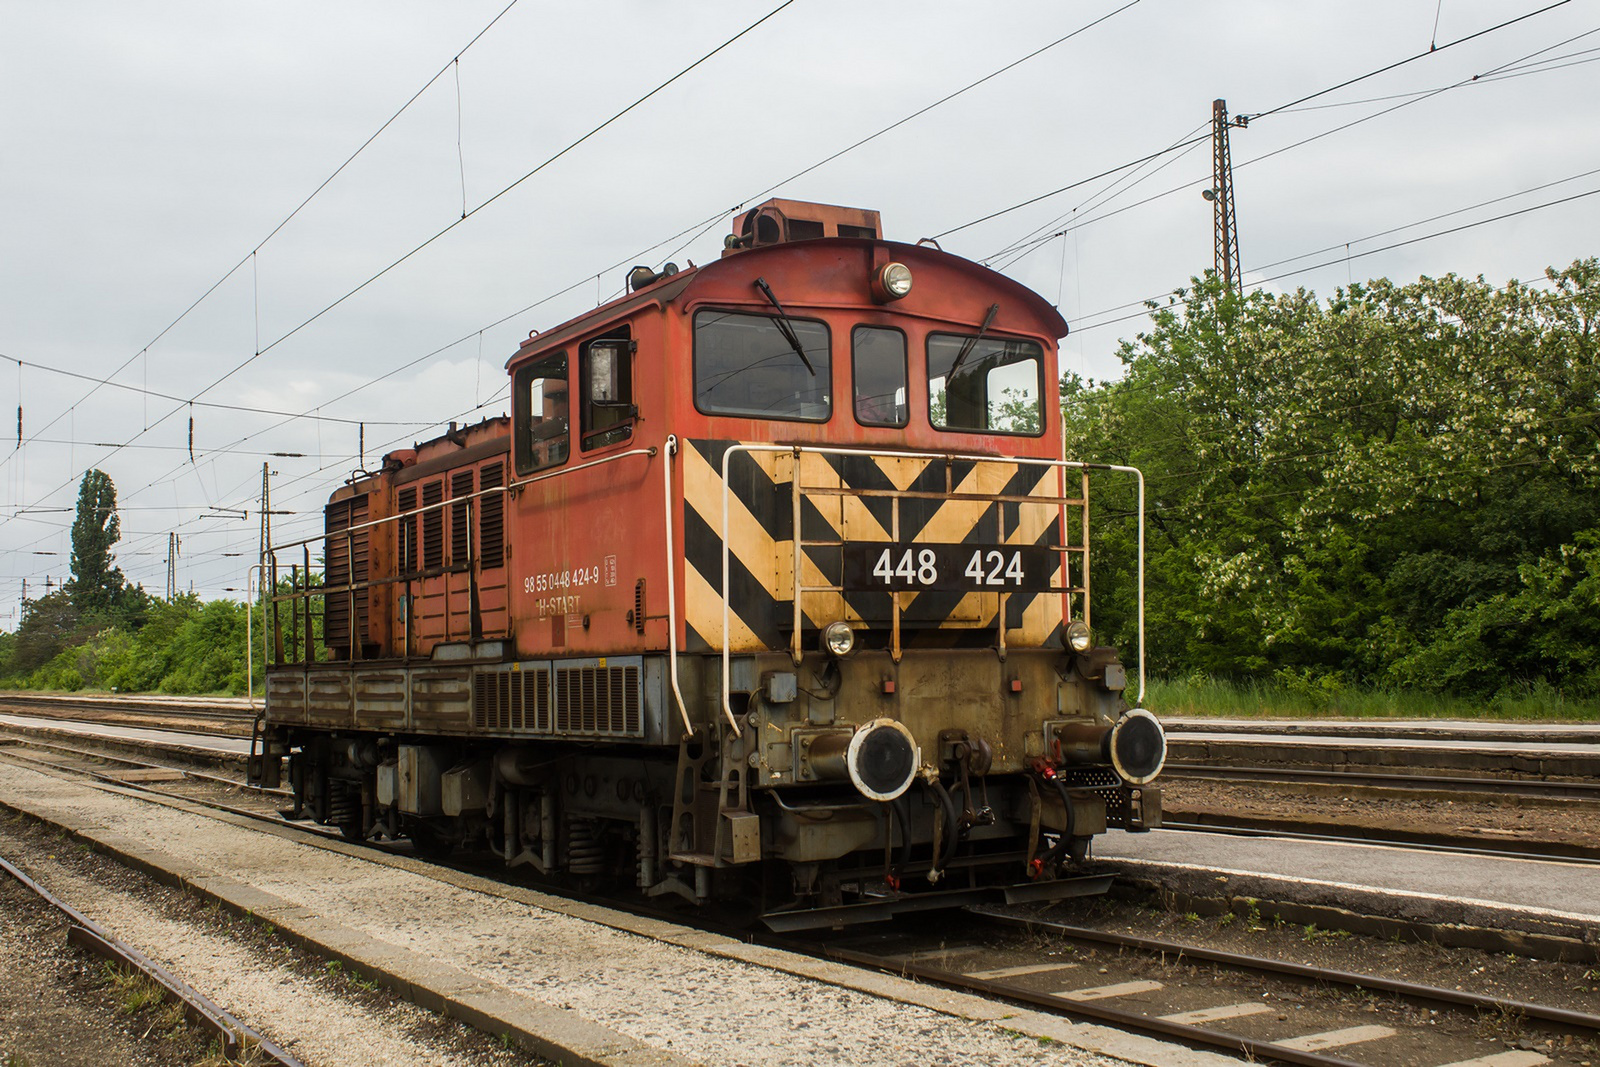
(785,327)
(972,342)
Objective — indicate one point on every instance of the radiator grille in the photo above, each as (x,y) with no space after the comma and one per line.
(585,701)
(598,700)
(512,700)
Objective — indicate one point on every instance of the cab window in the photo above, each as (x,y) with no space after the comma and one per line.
(762,366)
(878,371)
(541,409)
(607,413)
(985,385)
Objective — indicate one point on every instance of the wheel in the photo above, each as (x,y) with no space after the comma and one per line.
(431,842)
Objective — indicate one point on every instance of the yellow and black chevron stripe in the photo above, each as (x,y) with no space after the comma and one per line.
(859,498)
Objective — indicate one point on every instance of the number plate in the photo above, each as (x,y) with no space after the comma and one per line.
(912,568)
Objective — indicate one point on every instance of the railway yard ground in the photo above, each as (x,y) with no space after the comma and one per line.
(344,954)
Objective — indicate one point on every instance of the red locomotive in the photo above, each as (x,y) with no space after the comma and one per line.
(774,586)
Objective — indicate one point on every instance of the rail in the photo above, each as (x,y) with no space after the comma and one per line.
(236,1038)
(799,589)
(1472,1006)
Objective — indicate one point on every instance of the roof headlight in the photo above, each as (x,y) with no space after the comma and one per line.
(892,282)
(1078,637)
(838,639)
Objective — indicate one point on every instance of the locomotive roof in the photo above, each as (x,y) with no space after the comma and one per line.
(682,287)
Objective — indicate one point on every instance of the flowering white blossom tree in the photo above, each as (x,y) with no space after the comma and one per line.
(1397,486)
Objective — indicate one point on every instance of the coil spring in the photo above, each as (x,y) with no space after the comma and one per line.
(585,854)
(344,802)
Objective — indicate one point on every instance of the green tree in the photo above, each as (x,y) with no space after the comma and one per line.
(49,624)
(1335,488)
(97,583)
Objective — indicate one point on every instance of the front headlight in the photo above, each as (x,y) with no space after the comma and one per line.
(838,639)
(891,282)
(1078,637)
(896,279)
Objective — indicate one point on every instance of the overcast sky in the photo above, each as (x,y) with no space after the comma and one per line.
(148,149)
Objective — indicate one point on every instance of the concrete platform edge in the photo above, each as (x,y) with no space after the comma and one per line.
(1441,920)
(196,753)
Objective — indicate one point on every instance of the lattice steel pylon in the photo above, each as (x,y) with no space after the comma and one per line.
(174,546)
(1221,196)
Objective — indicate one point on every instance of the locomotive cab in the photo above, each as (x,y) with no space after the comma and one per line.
(774,586)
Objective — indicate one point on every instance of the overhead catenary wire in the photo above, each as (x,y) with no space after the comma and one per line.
(1085,320)
(1506,74)
(342,460)
(1032,243)
(945,99)
(250,257)
(702,228)
(714,218)
(1433,49)
(1026,245)
(263,350)
(1257,283)
(309,516)
(941,101)
(1251,117)
(709,224)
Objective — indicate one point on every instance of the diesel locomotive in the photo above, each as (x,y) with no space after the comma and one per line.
(772,591)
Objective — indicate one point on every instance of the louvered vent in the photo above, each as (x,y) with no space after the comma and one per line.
(491,518)
(512,700)
(348,563)
(433,526)
(460,533)
(406,500)
(599,700)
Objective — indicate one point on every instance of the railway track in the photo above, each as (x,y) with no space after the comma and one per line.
(1389,782)
(1138,984)
(1265,1010)
(1378,784)
(1580,798)
(1427,842)
(237,1041)
(139,765)
(187,715)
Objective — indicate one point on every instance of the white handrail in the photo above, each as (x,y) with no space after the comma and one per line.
(369,524)
(672,585)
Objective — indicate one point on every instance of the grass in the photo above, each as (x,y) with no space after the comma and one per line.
(250,1056)
(1257,699)
(134,990)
